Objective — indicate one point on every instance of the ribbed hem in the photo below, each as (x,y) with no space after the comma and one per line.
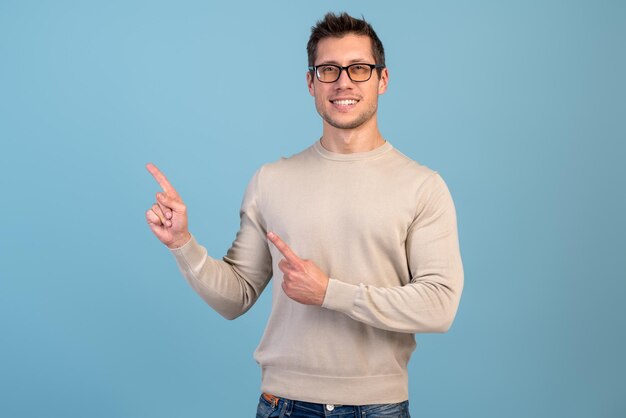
(360,390)
(190,255)
(355,156)
(340,296)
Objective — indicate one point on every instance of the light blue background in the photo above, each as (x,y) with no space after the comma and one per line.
(520,105)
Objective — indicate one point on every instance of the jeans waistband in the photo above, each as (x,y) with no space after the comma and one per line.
(401,409)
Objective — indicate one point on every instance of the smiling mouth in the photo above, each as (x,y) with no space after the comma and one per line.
(344,102)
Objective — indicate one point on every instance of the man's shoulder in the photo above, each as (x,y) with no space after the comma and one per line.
(408,163)
(286,164)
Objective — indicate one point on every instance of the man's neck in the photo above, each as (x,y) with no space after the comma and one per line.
(348,141)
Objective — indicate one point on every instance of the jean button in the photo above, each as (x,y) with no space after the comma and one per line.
(330,407)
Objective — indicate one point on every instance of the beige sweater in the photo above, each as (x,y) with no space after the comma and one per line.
(383,228)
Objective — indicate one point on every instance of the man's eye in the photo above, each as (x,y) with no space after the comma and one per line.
(359,67)
(328,69)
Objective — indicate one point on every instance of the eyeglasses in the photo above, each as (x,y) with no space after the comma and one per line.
(329,73)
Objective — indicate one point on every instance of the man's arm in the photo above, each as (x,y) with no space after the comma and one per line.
(231,285)
(427,304)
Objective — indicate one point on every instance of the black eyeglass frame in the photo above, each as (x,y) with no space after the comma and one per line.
(372,67)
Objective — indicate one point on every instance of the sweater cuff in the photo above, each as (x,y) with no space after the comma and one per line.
(340,296)
(190,254)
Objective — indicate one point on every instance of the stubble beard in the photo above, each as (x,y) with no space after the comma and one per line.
(363,117)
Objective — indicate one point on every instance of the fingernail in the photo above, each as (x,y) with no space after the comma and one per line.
(160,195)
(270,235)
(169,215)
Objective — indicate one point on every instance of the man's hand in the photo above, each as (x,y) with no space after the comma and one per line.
(303,281)
(168,216)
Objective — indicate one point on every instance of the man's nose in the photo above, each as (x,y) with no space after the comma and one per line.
(344,79)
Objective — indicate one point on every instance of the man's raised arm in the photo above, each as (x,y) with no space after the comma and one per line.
(231,285)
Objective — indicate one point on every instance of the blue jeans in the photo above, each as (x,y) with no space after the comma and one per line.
(299,409)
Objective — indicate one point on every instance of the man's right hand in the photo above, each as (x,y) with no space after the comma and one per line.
(167,218)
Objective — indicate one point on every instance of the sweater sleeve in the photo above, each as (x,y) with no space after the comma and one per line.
(430,301)
(231,285)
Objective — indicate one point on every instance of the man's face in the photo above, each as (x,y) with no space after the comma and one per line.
(346,104)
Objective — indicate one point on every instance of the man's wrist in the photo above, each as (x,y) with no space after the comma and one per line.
(181,242)
(321,302)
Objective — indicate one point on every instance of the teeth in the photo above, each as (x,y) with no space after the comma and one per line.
(344,102)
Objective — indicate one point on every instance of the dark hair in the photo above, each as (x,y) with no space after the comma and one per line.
(338,26)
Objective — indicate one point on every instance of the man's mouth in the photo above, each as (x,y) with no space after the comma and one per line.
(344,102)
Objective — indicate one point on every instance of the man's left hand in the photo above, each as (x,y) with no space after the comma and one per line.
(303,281)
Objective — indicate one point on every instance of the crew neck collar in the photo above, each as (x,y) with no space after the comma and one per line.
(354,156)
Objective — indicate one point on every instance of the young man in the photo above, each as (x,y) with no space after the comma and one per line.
(361,242)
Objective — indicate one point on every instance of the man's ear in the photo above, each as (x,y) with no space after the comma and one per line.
(309,83)
(383,81)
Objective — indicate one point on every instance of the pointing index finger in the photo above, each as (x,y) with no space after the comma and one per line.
(161,179)
(290,256)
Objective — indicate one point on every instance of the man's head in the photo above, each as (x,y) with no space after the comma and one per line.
(338,26)
(343,53)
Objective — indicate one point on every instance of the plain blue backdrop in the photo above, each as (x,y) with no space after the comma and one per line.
(520,105)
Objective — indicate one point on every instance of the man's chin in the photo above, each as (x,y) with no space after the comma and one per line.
(346,121)
(345,124)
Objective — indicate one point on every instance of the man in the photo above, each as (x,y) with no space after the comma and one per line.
(361,242)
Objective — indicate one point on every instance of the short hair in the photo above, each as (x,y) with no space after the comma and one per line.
(338,26)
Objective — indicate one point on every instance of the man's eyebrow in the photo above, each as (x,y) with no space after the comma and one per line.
(353,61)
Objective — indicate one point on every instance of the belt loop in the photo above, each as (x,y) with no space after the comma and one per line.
(288,406)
